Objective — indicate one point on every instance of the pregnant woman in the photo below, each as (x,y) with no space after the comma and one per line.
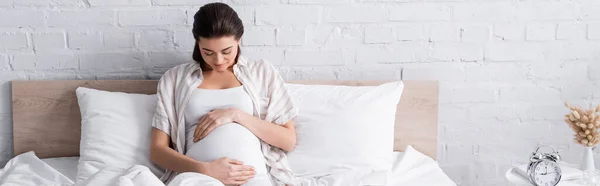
(223,116)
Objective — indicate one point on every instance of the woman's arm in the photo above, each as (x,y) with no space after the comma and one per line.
(282,136)
(164,156)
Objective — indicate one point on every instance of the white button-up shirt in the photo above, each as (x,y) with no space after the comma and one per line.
(261,81)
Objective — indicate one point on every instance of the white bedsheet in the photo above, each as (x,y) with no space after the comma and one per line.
(410,168)
(65,165)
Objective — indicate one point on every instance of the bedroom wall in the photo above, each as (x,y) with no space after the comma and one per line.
(505,66)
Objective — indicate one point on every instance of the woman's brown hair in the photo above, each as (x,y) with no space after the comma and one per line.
(215,20)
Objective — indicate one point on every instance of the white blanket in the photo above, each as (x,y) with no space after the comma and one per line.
(414,168)
(417,169)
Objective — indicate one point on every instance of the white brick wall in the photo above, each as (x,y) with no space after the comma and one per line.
(504,67)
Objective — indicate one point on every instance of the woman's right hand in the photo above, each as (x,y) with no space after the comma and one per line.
(229,171)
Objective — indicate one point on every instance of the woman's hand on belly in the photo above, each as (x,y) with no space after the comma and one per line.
(228,171)
(212,120)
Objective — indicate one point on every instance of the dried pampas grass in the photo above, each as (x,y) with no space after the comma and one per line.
(585,124)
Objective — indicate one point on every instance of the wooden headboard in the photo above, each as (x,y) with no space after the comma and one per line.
(47,120)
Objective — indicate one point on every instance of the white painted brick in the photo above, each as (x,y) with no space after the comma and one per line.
(49,40)
(94,3)
(5,3)
(485,11)
(287,15)
(61,76)
(4,65)
(259,37)
(76,18)
(155,38)
(273,55)
(412,32)
(44,62)
(455,52)
(111,61)
(307,73)
(448,112)
(13,41)
(290,37)
(6,149)
(313,57)
(528,130)
(369,72)
(160,17)
(458,173)
(445,72)
(335,36)
(71,3)
(593,31)
(444,32)
(190,13)
(533,10)
(596,92)
(529,93)
(497,72)
(568,72)
(485,171)
(184,40)
(541,32)
(379,34)
(580,90)
(119,39)
(355,14)
(316,1)
(411,52)
(418,12)
(181,2)
(246,14)
(494,111)
(594,71)
(6,118)
(513,52)
(544,112)
(21,18)
(590,10)
(509,32)
(349,55)
(168,59)
(568,51)
(570,31)
(476,94)
(251,2)
(458,153)
(121,77)
(474,33)
(85,40)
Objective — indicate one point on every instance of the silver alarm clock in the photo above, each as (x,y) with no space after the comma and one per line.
(543,169)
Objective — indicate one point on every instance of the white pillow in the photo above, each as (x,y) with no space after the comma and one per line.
(116,131)
(341,128)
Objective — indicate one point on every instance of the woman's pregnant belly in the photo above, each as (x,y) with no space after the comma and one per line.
(229,140)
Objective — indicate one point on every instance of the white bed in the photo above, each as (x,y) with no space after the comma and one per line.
(52,158)
(409,168)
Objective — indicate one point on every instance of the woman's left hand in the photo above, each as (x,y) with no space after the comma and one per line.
(212,120)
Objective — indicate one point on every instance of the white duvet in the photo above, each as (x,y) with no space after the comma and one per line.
(413,168)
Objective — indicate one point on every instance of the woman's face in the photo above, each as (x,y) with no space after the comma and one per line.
(219,53)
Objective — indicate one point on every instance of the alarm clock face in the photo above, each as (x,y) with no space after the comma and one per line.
(546,173)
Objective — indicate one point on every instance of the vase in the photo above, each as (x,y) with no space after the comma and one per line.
(587,163)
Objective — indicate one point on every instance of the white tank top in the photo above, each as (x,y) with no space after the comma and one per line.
(230,140)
